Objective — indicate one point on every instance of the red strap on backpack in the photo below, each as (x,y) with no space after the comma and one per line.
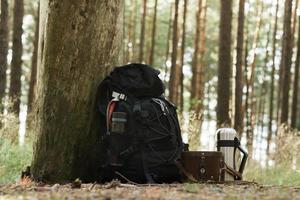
(110,108)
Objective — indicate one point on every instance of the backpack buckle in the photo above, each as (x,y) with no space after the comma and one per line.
(118,96)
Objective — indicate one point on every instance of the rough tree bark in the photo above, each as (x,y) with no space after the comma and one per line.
(286,61)
(32,84)
(271,101)
(238,117)
(175,71)
(16,62)
(224,64)
(296,82)
(153,35)
(79,42)
(142,34)
(3,50)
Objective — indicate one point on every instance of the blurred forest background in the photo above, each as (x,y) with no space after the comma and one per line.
(225,64)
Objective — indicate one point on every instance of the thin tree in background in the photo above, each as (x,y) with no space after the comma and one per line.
(16,63)
(238,117)
(286,61)
(130,31)
(263,88)
(195,99)
(33,76)
(202,49)
(168,41)
(3,50)
(197,86)
(224,64)
(250,96)
(142,34)
(182,53)
(125,39)
(133,56)
(153,36)
(296,71)
(296,82)
(147,50)
(294,20)
(175,71)
(281,68)
(246,69)
(271,101)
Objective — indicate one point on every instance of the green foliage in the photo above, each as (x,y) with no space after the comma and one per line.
(13,159)
(191,187)
(279,175)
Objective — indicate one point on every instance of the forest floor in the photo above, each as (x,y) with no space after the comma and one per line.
(116,190)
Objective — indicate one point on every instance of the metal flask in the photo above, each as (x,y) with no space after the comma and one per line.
(228,143)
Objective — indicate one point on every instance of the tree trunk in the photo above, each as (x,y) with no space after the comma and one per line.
(224,64)
(194,100)
(294,19)
(133,57)
(3,50)
(281,70)
(247,113)
(151,57)
(175,71)
(142,34)
(201,83)
(282,73)
(182,55)
(250,98)
(32,84)
(16,62)
(286,61)
(238,117)
(263,89)
(271,101)
(79,42)
(168,42)
(296,82)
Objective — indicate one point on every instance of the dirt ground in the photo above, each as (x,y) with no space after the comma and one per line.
(116,190)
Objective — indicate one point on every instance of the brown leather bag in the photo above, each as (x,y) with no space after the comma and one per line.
(199,166)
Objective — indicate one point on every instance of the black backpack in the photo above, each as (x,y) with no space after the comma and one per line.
(142,136)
